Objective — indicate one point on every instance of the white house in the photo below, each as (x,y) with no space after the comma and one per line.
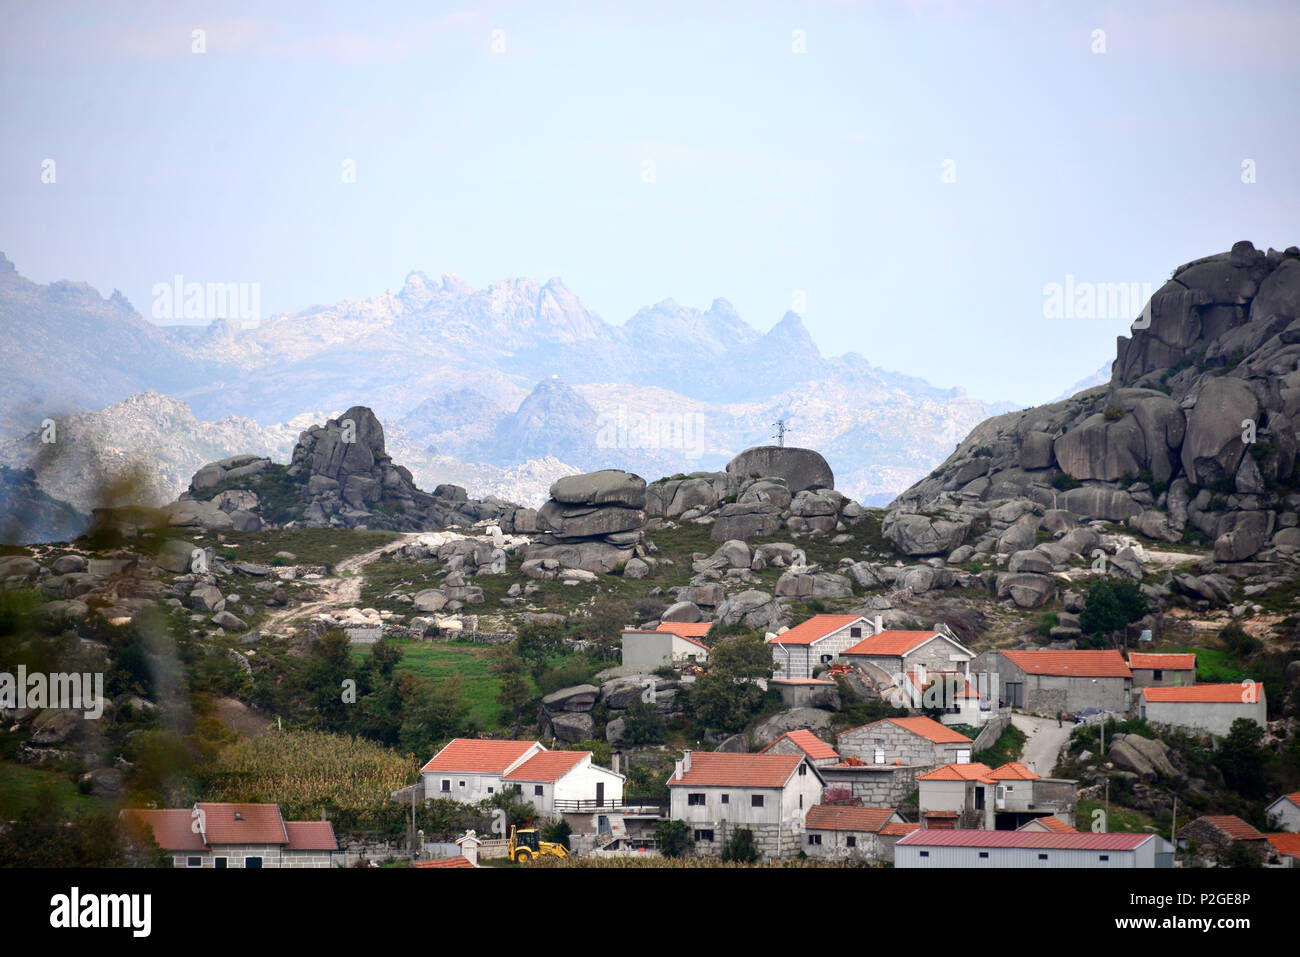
(770,794)
(1207,708)
(566,782)
(1284,813)
(471,770)
(818,641)
(671,643)
(853,833)
(967,848)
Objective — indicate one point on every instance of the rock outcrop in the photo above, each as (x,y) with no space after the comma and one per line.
(592,522)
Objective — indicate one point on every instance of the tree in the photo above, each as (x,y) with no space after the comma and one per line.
(727,697)
(558,832)
(1243,760)
(508,668)
(740,847)
(1111,605)
(674,838)
(642,724)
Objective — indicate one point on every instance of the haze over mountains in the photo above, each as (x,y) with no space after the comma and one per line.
(501,389)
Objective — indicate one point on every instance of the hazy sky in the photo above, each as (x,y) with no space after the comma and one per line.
(773,170)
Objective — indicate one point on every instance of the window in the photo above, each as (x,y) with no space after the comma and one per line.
(219,863)
(1158,675)
(1011,787)
(925,853)
(695,800)
(801,800)
(1042,857)
(461,783)
(705,834)
(726,799)
(803,769)
(253,862)
(537,789)
(1105,857)
(490,790)
(814,839)
(826,659)
(963,756)
(984,854)
(193,862)
(756,800)
(880,753)
(446,785)
(851,841)
(855,632)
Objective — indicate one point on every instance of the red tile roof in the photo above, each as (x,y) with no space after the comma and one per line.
(1013,771)
(311,836)
(714,769)
(172,828)
(836,817)
(931,729)
(972,771)
(547,766)
(1084,664)
(814,629)
(808,743)
(1051,822)
(1167,662)
(243,824)
(1288,845)
(686,629)
(1038,840)
(899,828)
(1294,798)
(891,643)
(1237,693)
(445,862)
(1231,825)
(472,755)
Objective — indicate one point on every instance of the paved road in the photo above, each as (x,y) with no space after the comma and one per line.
(1044,744)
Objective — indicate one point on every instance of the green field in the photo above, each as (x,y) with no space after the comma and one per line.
(1213,665)
(468,661)
(22,787)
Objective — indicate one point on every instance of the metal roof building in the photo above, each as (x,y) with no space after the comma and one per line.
(973,848)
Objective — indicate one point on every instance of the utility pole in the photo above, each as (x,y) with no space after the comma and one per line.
(781,430)
(1173,832)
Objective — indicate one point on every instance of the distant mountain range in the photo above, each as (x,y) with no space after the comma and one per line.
(495,388)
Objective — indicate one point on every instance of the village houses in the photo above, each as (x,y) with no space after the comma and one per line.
(906,741)
(1162,670)
(223,836)
(817,641)
(1206,708)
(671,643)
(1047,682)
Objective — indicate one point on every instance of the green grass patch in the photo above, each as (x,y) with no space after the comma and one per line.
(23,788)
(467,661)
(1009,746)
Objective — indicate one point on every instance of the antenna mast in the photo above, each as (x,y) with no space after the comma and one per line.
(781,430)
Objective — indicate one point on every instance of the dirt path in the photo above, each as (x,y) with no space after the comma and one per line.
(1045,742)
(341,590)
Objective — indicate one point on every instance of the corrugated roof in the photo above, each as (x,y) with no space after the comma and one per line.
(1034,840)
(1167,662)
(891,643)
(1206,694)
(473,755)
(714,769)
(835,817)
(547,766)
(806,741)
(1106,663)
(814,629)
(311,836)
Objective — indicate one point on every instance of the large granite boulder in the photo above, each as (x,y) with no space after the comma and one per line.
(799,468)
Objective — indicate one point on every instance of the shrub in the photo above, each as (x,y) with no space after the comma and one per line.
(1113,412)
(1064,481)
(674,838)
(1111,604)
(740,847)
(1046,622)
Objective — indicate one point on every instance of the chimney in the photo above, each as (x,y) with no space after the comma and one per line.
(678,774)
(876,624)
(613,762)
(686,761)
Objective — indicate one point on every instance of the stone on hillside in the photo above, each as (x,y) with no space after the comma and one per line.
(742,520)
(918,535)
(225,619)
(429,600)
(607,487)
(175,555)
(1213,446)
(682,611)
(206,598)
(615,729)
(68,564)
(636,569)
(1058,520)
(572,727)
(19,566)
(1030,561)
(1020,536)
(736,553)
(753,608)
(813,719)
(1080,541)
(576,698)
(1095,501)
(800,468)
(1155,524)
(1025,589)
(1242,534)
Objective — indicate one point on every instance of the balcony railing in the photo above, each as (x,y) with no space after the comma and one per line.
(610,804)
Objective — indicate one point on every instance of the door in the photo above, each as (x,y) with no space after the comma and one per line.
(1015,694)
(600,793)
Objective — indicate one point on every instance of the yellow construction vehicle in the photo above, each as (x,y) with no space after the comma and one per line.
(524,845)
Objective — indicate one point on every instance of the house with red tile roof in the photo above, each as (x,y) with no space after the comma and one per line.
(1285,848)
(672,643)
(1284,813)
(769,794)
(1205,708)
(554,782)
(905,741)
(817,641)
(1049,822)
(1162,670)
(853,833)
(1045,682)
(220,835)
(920,655)
(941,848)
(805,742)
(1003,798)
(1215,837)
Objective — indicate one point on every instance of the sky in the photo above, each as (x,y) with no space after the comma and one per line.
(911,177)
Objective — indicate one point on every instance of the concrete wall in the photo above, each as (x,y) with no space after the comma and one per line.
(1287,816)
(835,846)
(1048,694)
(1210,717)
(653,651)
(1146,678)
(1144,856)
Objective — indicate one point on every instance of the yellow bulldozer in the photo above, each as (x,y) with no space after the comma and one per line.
(525,845)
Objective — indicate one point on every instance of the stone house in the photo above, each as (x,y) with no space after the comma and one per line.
(817,641)
(223,836)
(874,785)
(1284,813)
(1214,835)
(905,741)
(1285,849)
(894,653)
(852,833)
(806,743)
(1045,682)
(770,794)
(1205,709)
(1161,671)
